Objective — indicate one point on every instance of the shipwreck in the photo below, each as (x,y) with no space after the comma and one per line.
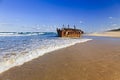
(69,32)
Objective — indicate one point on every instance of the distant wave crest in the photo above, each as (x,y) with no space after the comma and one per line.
(20,33)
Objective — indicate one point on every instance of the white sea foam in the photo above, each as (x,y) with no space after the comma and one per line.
(10,61)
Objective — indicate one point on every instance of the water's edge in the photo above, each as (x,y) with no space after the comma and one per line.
(34,54)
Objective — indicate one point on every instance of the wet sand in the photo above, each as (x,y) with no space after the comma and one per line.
(107,34)
(94,60)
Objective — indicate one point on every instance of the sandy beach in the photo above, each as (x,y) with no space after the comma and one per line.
(98,59)
(107,34)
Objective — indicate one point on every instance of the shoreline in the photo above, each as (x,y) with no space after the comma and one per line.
(99,57)
(35,54)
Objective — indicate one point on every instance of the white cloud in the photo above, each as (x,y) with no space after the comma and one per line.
(6,24)
(44,28)
(81,22)
(110,17)
(114,24)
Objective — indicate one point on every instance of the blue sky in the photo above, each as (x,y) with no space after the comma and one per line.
(46,15)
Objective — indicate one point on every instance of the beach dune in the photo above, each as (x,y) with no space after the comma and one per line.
(107,34)
(93,60)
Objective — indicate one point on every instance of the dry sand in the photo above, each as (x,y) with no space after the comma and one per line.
(107,34)
(93,60)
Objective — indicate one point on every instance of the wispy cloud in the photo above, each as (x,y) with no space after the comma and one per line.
(110,17)
(6,24)
(81,22)
(114,25)
(44,28)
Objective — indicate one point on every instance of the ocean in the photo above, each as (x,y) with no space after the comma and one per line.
(17,48)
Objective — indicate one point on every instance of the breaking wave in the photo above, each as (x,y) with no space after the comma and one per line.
(15,51)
